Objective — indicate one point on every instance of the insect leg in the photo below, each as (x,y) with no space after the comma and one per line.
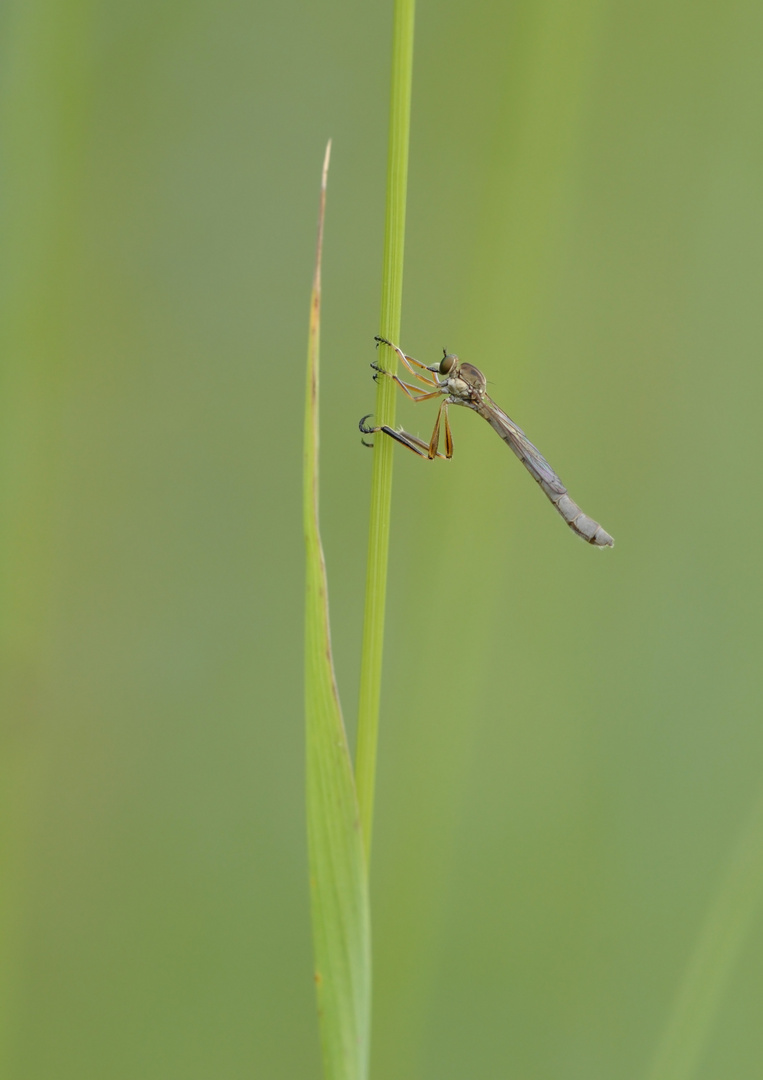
(434,442)
(405,438)
(408,360)
(448,433)
(407,388)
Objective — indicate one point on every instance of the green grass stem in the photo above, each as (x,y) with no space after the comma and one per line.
(381,483)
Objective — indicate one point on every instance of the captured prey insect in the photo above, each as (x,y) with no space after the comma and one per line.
(459,383)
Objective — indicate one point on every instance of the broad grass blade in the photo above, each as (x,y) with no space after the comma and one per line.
(338,876)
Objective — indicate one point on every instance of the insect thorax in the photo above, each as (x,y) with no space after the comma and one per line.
(467,383)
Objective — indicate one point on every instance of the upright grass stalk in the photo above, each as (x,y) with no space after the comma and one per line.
(338,874)
(381,482)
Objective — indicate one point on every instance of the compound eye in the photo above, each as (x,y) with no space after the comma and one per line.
(447,363)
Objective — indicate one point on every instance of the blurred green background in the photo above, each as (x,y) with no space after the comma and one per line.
(571,740)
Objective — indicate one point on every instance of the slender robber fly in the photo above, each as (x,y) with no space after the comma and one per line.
(457,383)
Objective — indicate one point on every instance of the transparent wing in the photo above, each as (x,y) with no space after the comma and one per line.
(535,463)
(529,455)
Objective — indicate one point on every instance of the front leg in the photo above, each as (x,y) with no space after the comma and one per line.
(408,361)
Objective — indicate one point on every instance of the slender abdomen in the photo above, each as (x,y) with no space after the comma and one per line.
(581,524)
